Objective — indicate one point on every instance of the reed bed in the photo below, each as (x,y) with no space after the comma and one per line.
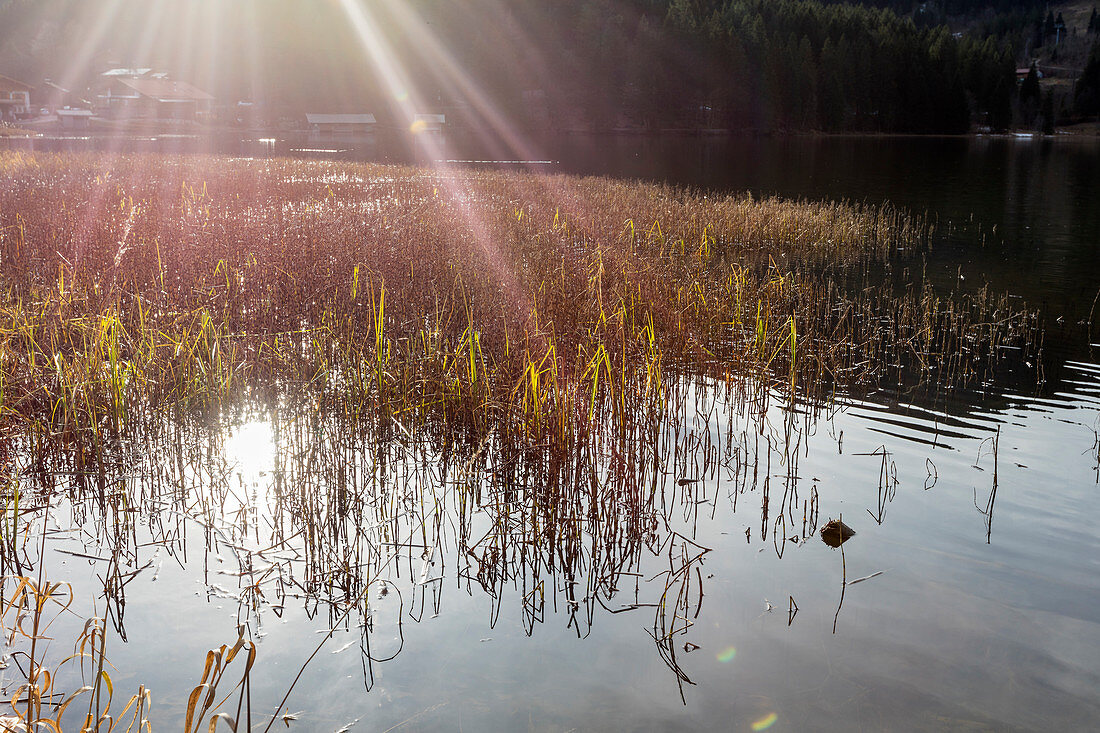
(539,306)
(534,386)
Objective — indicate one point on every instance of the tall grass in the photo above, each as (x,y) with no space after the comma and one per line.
(546,305)
(39,703)
(512,376)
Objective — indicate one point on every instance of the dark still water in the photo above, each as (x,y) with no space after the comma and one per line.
(968,599)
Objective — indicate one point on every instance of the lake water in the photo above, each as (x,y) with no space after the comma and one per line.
(963,608)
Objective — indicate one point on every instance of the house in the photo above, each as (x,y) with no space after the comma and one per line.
(74,119)
(1022,72)
(428,123)
(54,97)
(123,72)
(15,99)
(340,126)
(144,94)
(248,114)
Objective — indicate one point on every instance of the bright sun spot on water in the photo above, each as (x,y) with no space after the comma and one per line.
(250,449)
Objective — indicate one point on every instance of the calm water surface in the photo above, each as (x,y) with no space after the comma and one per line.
(975,622)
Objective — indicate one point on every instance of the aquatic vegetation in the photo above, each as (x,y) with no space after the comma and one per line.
(536,306)
(532,386)
(26,617)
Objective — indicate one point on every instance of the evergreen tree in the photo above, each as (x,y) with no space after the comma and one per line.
(1029,89)
(1086,95)
(830,100)
(1047,113)
(806,85)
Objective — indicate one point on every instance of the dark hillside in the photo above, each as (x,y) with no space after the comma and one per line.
(568,64)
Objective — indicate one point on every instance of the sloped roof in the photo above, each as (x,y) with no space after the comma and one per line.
(12,85)
(340,119)
(57,88)
(127,72)
(166,90)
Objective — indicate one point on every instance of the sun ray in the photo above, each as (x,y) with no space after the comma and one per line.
(503,136)
(139,54)
(253,59)
(442,62)
(99,26)
(402,95)
(407,99)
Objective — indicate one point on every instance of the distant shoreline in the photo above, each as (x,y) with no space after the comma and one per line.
(102,130)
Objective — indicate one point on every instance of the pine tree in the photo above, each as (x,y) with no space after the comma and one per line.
(1000,107)
(1047,113)
(1030,96)
(830,99)
(1086,96)
(1029,90)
